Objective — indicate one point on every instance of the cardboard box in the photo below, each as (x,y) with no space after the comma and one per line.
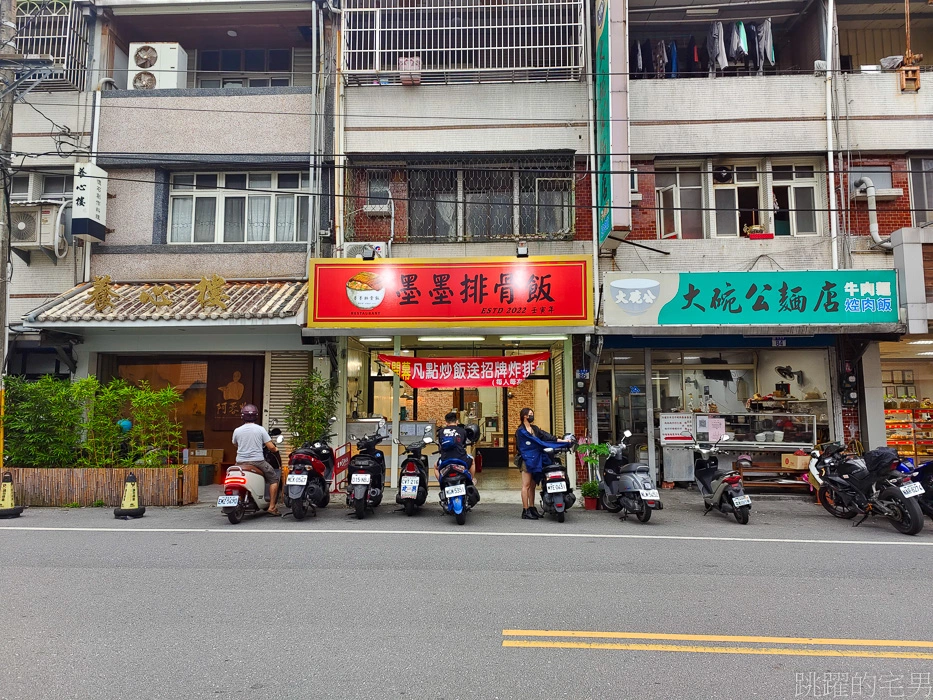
(795,462)
(205,456)
(195,445)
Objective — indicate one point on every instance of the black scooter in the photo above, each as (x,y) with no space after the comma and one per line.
(413,475)
(627,486)
(721,490)
(556,495)
(366,473)
(310,473)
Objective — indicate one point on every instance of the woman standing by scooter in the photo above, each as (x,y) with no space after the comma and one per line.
(531,442)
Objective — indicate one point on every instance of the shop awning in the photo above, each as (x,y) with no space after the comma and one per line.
(211,301)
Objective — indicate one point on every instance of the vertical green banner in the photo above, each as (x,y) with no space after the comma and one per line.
(603,123)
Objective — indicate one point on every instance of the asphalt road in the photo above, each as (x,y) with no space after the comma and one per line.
(180,604)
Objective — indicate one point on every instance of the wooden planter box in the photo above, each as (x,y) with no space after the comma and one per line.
(165,486)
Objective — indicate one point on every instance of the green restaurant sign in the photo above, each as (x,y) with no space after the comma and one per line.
(774,298)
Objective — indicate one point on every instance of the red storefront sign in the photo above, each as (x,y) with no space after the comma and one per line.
(478,292)
(456,372)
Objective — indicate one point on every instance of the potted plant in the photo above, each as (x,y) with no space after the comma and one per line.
(312,402)
(590,491)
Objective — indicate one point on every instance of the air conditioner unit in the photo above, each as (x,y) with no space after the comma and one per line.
(356,250)
(157,66)
(33,228)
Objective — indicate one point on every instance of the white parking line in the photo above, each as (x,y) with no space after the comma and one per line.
(233,530)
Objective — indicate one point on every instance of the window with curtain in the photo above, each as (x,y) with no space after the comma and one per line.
(239,208)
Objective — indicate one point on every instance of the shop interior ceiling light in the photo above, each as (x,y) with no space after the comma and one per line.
(532,337)
(920,342)
(451,338)
(376,339)
(925,354)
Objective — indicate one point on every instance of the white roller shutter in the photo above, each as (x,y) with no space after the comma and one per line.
(557,388)
(285,369)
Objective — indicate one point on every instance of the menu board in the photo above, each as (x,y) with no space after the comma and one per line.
(717,428)
(673,426)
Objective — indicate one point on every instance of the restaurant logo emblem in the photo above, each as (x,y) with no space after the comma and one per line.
(365,290)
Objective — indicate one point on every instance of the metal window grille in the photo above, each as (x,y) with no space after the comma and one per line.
(59,29)
(462,41)
(468,201)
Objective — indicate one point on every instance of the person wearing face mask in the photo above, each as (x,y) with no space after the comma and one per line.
(531,442)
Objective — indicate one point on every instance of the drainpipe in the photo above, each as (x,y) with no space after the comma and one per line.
(830,155)
(392,221)
(95,144)
(314,193)
(869,186)
(594,203)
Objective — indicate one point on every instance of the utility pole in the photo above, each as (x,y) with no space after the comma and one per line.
(7,78)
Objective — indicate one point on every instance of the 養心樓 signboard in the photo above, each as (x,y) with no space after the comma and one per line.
(425,293)
(89,203)
(786,297)
(456,372)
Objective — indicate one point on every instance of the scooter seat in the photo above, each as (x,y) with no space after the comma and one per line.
(251,468)
(633,467)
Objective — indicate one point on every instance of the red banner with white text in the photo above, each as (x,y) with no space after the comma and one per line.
(457,372)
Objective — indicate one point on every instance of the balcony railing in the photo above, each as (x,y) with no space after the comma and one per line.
(60,30)
(439,41)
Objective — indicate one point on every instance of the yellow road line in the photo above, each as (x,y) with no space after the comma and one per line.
(720,638)
(757,651)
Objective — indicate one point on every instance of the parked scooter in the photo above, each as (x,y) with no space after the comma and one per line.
(556,495)
(869,485)
(722,490)
(310,473)
(627,486)
(366,473)
(245,488)
(458,493)
(413,475)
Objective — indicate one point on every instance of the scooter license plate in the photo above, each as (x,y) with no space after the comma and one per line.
(296,479)
(458,490)
(228,501)
(410,486)
(557,487)
(741,501)
(912,489)
(649,495)
(360,479)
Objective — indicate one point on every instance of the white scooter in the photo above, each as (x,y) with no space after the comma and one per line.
(245,488)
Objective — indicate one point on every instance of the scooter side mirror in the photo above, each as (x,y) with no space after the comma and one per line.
(427,439)
(279,439)
(275,431)
(627,433)
(724,438)
(333,419)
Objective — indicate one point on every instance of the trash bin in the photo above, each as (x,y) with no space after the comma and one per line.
(206,474)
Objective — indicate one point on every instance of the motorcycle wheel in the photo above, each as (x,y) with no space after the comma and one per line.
(645,514)
(907,518)
(461,518)
(235,516)
(741,514)
(360,505)
(325,500)
(560,517)
(608,504)
(837,510)
(409,507)
(299,510)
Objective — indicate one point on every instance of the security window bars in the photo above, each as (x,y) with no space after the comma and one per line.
(467,202)
(238,208)
(921,189)
(441,41)
(60,30)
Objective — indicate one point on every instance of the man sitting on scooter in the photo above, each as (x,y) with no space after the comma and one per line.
(452,440)
(249,439)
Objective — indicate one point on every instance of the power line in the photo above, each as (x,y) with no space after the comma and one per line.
(526,164)
(408,199)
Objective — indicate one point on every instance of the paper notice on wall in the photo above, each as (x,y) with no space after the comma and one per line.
(673,427)
(716,428)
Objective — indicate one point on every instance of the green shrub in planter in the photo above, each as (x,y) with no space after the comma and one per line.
(590,489)
(313,401)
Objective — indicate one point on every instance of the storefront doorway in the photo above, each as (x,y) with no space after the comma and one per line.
(495,409)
